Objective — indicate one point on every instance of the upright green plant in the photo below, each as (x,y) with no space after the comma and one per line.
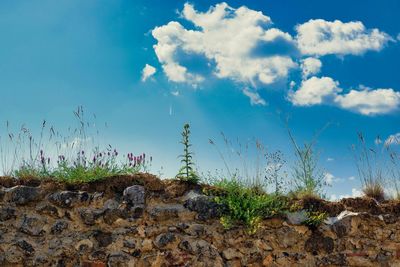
(308,178)
(187,172)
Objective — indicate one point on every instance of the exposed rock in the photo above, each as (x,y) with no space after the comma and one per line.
(204,206)
(230,254)
(105,228)
(7,213)
(163,241)
(47,209)
(22,195)
(297,217)
(103,238)
(318,243)
(130,243)
(26,247)
(68,199)
(59,226)
(32,225)
(134,195)
(166,212)
(118,259)
(84,245)
(89,216)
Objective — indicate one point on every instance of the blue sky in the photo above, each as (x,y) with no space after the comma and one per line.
(237,67)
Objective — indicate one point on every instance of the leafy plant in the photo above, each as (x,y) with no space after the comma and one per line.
(245,205)
(315,218)
(187,172)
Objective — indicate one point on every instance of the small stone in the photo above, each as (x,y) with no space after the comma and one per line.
(32,225)
(195,230)
(130,243)
(59,226)
(89,216)
(198,247)
(103,238)
(230,254)
(26,247)
(164,240)
(146,245)
(166,212)
(297,217)
(319,243)
(47,209)
(7,213)
(134,195)
(118,259)
(84,245)
(22,195)
(204,206)
(68,199)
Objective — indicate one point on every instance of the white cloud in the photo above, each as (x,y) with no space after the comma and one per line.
(255,98)
(352,178)
(398,37)
(321,37)
(242,45)
(310,66)
(175,93)
(354,193)
(393,139)
(330,178)
(229,38)
(147,72)
(330,159)
(366,101)
(370,101)
(315,91)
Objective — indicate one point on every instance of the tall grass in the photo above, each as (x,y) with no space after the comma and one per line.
(308,178)
(74,157)
(252,164)
(372,166)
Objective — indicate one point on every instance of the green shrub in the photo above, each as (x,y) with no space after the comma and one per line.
(315,218)
(245,205)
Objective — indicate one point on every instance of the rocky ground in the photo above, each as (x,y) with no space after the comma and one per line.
(143,221)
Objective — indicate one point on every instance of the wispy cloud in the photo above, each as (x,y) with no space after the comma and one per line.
(147,72)
(255,98)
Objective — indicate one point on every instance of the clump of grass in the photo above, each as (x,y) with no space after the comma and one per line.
(74,158)
(245,205)
(308,179)
(371,167)
(254,165)
(187,172)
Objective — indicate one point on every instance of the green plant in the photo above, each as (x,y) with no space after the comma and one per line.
(71,158)
(187,172)
(245,205)
(315,218)
(252,164)
(307,177)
